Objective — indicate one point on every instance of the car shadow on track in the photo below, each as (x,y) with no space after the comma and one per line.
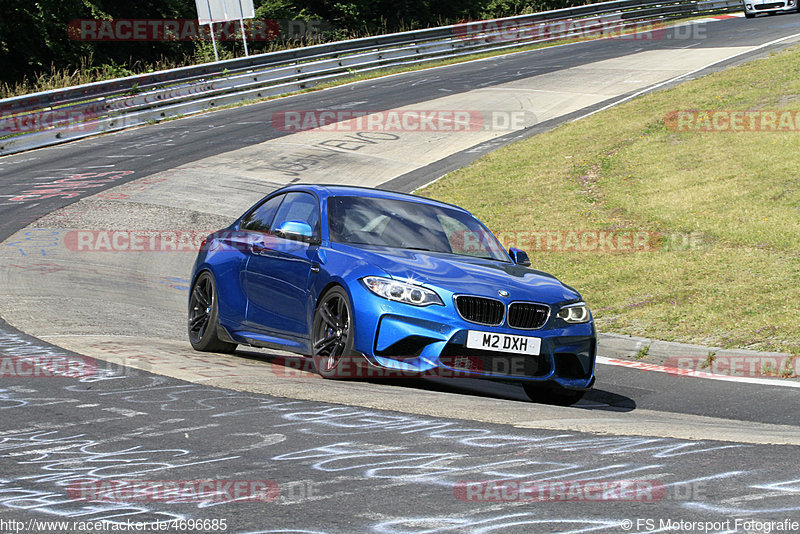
(594,399)
(290,366)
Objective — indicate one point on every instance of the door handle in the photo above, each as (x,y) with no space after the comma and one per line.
(315,268)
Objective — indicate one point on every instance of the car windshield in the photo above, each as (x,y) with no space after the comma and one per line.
(410,225)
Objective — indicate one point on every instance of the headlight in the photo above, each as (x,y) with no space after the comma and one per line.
(575,313)
(401,291)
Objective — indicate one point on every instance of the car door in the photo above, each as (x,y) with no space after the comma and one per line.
(278,271)
(230,266)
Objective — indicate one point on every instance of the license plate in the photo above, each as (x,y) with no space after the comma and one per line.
(503,342)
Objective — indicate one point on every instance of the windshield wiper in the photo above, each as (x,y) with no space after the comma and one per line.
(423,249)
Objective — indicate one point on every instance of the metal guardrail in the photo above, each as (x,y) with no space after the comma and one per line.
(51,117)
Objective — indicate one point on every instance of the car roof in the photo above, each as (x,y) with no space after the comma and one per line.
(335,190)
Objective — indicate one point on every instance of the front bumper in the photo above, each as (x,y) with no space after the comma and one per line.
(431,341)
(770,6)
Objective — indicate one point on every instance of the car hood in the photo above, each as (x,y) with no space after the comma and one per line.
(468,275)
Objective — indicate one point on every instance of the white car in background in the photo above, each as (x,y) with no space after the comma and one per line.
(754,7)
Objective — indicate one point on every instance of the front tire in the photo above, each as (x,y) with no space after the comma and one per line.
(204,317)
(749,15)
(549,394)
(332,335)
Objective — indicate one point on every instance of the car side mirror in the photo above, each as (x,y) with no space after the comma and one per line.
(520,257)
(295,230)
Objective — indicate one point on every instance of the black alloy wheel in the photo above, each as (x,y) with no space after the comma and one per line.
(203,317)
(332,335)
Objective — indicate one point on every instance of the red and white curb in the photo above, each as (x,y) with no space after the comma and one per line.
(720,17)
(642,366)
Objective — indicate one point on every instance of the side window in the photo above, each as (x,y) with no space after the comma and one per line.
(299,207)
(259,219)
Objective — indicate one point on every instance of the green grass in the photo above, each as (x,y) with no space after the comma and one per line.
(735,282)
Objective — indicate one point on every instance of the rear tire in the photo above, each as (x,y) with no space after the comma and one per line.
(549,394)
(204,317)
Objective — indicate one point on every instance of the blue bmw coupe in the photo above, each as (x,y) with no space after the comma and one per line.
(372,283)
